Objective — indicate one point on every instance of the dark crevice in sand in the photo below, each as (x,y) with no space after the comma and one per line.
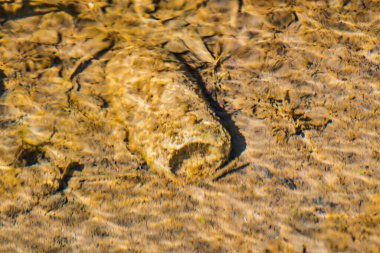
(239,168)
(346,2)
(18,15)
(240,2)
(28,10)
(7,123)
(84,65)
(68,174)
(2,87)
(238,143)
(288,182)
(29,155)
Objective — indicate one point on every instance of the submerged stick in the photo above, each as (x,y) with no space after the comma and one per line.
(168,122)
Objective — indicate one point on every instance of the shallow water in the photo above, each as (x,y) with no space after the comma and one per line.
(295,84)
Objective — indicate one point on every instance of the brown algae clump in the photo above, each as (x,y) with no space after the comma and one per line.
(168,122)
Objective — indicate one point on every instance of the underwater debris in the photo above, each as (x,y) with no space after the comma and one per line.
(168,123)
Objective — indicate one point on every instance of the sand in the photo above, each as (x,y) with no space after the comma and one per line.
(295,84)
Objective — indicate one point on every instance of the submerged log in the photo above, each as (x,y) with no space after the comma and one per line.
(168,121)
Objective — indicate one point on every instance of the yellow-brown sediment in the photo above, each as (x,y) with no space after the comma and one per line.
(300,80)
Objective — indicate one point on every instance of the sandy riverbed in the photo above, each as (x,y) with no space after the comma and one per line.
(294,83)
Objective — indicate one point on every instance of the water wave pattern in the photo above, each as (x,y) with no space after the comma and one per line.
(295,84)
